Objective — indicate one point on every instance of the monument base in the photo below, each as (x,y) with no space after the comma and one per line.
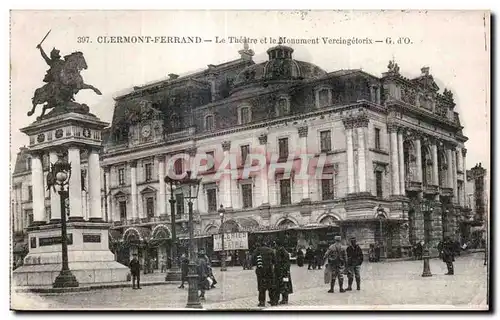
(89,257)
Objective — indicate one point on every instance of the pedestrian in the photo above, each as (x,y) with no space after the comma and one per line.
(135,270)
(163,264)
(354,261)
(318,258)
(440,247)
(378,250)
(283,280)
(184,269)
(264,259)
(419,250)
(371,253)
(248,261)
(210,273)
(300,258)
(336,258)
(203,273)
(309,258)
(448,255)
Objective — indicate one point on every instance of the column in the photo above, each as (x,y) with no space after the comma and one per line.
(226,178)
(55,198)
(449,171)
(133,188)
(418,147)
(402,179)
(394,160)
(435,172)
(361,160)
(75,185)
(107,194)
(464,189)
(454,176)
(264,187)
(303,146)
(459,158)
(350,160)
(95,212)
(37,189)
(162,206)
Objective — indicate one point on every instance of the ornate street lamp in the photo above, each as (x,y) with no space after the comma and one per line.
(60,175)
(190,188)
(174,274)
(222,211)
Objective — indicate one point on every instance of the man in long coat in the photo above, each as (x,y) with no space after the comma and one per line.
(184,270)
(354,261)
(135,271)
(282,272)
(264,259)
(448,255)
(336,258)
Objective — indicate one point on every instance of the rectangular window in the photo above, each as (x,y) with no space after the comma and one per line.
(245,150)
(123,210)
(148,170)
(179,203)
(150,207)
(283,148)
(326,141)
(377,138)
(178,166)
(378,182)
(29,216)
(327,189)
(212,200)
(121,176)
(285,192)
(246,192)
(30,193)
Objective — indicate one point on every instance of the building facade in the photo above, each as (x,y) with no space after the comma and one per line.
(393,148)
(475,224)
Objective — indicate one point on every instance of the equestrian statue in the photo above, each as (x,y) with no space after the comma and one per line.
(62,82)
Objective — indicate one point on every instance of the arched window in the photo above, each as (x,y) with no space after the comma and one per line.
(283,107)
(209,123)
(244,115)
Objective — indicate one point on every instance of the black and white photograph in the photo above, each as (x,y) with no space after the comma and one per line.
(250,160)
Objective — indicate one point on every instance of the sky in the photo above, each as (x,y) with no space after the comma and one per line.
(454,44)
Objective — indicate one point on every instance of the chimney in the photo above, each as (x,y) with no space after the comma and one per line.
(172,76)
(425,71)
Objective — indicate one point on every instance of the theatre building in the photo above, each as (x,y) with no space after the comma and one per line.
(393,149)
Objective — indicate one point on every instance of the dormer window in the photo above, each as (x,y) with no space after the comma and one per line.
(244,115)
(283,107)
(323,97)
(209,123)
(175,122)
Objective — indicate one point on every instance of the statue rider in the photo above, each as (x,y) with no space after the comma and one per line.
(55,62)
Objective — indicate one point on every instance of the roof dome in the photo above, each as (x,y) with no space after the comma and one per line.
(280,67)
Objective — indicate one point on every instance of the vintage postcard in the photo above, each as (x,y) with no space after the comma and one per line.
(250,160)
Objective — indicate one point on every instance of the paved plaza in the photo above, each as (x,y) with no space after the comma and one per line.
(385,284)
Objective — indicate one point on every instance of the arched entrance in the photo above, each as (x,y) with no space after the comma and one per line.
(159,246)
(230,226)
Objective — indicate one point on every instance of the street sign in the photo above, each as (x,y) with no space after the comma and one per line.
(232,241)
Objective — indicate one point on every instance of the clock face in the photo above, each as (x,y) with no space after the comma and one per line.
(146,131)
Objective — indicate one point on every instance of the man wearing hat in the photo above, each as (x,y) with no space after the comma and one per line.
(135,271)
(264,258)
(336,258)
(203,272)
(354,261)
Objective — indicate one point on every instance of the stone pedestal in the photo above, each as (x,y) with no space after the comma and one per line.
(89,257)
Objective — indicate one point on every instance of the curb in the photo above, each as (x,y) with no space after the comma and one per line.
(89,288)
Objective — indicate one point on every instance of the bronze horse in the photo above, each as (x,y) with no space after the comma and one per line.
(66,84)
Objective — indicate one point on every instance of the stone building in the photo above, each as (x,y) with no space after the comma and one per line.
(394,148)
(474,225)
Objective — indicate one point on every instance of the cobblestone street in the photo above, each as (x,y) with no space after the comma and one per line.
(384,284)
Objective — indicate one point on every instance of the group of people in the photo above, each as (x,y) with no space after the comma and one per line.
(272,262)
(314,258)
(340,261)
(272,268)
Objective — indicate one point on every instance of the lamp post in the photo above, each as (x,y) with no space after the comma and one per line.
(222,211)
(60,175)
(174,274)
(426,207)
(190,187)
